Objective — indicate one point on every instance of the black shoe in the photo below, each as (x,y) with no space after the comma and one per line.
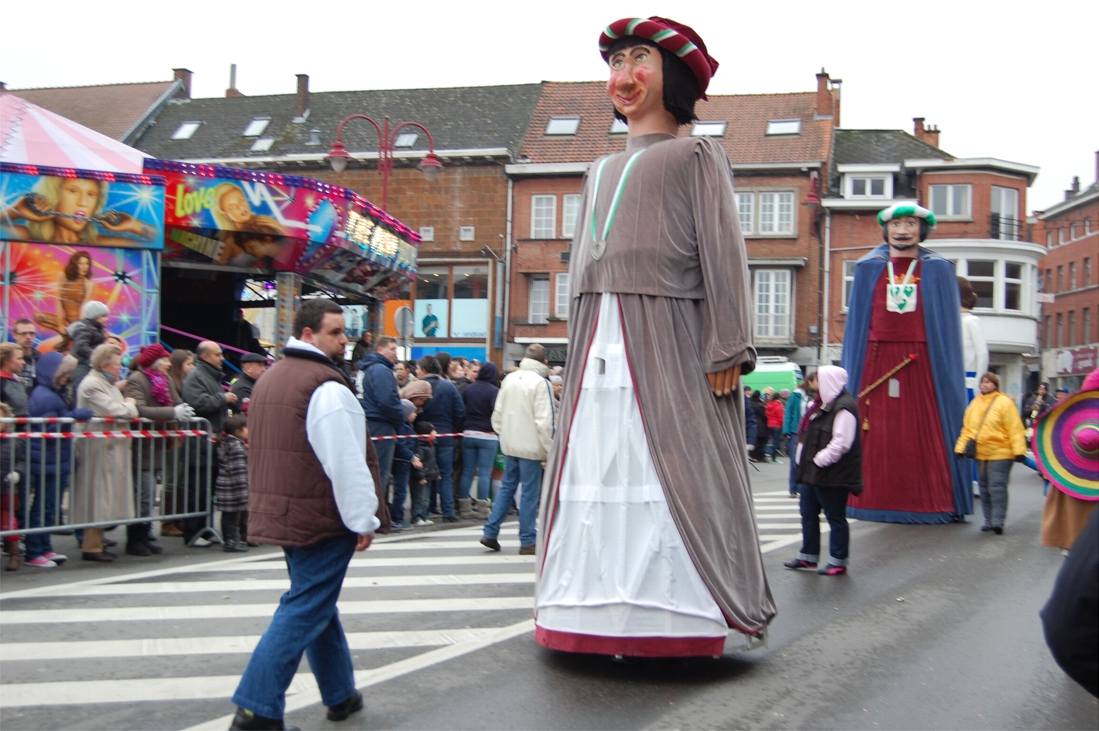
(248,721)
(101,556)
(998,529)
(234,547)
(985,528)
(154,548)
(138,549)
(798,563)
(353,704)
(108,543)
(490,543)
(450,519)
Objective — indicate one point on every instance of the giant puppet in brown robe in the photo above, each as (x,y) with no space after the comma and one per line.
(648,542)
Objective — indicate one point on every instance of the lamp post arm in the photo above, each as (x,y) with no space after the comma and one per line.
(430,140)
(339,130)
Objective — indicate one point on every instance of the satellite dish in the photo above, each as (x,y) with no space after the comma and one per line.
(402,320)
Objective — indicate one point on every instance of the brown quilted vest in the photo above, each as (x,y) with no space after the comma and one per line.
(290,499)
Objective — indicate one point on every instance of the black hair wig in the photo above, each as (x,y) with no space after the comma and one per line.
(925,230)
(680,83)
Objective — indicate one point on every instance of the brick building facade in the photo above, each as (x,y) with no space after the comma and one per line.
(1070,285)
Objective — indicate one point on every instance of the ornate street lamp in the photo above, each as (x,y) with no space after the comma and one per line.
(338,156)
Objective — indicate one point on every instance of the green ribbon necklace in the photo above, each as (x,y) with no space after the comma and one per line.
(599,245)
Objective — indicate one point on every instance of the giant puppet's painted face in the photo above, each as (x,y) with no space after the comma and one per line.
(903,232)
(636,84)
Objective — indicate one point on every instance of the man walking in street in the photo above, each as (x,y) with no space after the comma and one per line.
(523,418)
(203,392)
(311,492)
(252,366)
(382,404)
(448,413)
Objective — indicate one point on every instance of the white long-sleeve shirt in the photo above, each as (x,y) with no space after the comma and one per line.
(974,346)
(843,436)
(336,428)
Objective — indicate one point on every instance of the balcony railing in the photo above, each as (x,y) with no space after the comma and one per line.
(1006,228)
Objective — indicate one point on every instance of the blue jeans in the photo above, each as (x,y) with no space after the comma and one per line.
(478,455)
(305,621)
(529,473)
(444,455)
(772,443)
(834,502)
(385,449)
(791,450)
(47,490)
(992,477)
(401,471)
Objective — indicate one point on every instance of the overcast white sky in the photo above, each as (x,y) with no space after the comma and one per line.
(1012,80)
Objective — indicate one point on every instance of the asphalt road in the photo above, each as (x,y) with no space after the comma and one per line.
(934,627)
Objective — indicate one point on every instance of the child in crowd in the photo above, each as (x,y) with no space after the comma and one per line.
(404,459)
(231,489)
(423,476)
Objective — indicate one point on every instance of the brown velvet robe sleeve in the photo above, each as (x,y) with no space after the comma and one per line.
(726,322)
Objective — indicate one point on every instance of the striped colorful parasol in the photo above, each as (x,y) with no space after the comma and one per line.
(1066,445)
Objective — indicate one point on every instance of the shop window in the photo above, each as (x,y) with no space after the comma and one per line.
(772,303)
(432,313)
(950,201)
(570,205)
(539,301)
(982,275)
(848,281)
(745,206)
(1013,286)
(561,296)
(543,211)
(469,306)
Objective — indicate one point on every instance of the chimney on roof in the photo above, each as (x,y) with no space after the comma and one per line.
(930,135)
(232,90)
(183,75)
(1075,189)
(302,104)
(824,95)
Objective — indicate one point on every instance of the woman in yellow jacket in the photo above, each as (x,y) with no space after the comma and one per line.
(1000,442)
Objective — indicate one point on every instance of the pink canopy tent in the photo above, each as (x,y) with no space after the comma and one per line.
(31,135)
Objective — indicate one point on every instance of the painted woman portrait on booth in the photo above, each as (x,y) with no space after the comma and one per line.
(250,239)
(71,211)
(74,288)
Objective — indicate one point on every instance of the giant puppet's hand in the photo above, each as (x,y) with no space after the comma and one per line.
(724,382)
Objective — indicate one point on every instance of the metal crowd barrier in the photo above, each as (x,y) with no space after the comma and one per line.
(104,472)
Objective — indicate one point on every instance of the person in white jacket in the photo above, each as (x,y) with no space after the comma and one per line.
(524,419)
(973,340)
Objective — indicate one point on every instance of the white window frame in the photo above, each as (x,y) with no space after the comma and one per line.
(427,233)
(774,206)
(256,127)
(709,129)
(538,307)
(848,281)
(618,127)
(746,201)
(1002,267)
(1049,239)
(950,214)
(783,127)
(543,216)
(562,127)
(849,185)
(406,140)
(262,144)
(997,272)
(561,296)
(1011,231)
(186,130)
(1072,231)
(772,304)
(467,233)
(570,212)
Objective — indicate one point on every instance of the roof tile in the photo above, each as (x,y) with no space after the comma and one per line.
(110,109)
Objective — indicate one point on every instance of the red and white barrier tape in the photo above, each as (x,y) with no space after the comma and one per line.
(123,434)
(425,436)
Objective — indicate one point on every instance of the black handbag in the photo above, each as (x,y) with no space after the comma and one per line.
(970,451)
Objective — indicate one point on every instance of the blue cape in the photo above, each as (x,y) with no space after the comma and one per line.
(942,321)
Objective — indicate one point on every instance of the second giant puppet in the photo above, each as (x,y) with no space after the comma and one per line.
(902,347)
(648,543)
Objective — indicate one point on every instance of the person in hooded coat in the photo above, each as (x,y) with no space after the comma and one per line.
(647,542)
(51,459)
(479,442)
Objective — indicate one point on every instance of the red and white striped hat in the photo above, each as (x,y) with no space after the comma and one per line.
(675,37)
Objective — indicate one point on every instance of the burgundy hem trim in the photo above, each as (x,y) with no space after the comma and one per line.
(630,646)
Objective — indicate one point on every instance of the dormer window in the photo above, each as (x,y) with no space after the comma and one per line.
(563,126)
(618,127)
(256,127)
(708,129)
(778,127)
(868,181)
